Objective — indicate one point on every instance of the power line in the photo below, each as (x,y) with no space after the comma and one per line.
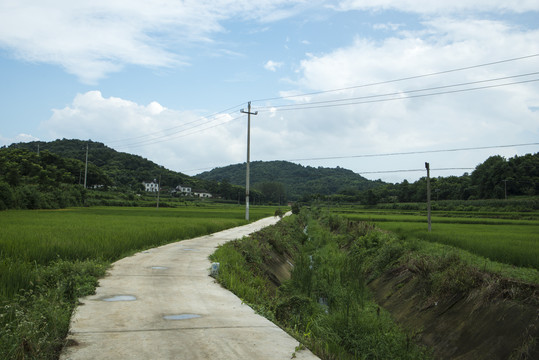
(151,139)
(396,93)
(214,115)
(308,106)
(394,154)
(399,79)
(414,152)
(171,137)
(410,170)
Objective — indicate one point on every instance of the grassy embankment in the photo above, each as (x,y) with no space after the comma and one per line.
(326,303)
(49,258)
(503,242)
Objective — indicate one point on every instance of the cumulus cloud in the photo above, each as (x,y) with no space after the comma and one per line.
(272,65)
(177,140)
(17,139)
(494,116)
(438,7)
(93,39)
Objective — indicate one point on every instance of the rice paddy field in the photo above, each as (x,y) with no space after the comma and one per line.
(31,238)
(50,258)
(510,238)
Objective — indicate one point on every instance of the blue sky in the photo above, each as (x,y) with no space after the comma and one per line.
(166,80)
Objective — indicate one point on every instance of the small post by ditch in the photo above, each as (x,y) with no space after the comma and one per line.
(427,166)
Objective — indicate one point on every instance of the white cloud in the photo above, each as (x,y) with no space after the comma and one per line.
(440,7)
(92,39)
(272,65)
(495,116)
(17,139)
(177,140)
(388,26)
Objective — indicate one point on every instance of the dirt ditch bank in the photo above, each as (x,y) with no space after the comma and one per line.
(491,322)
(497,320)
(455,309)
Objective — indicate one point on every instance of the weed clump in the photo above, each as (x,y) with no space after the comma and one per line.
(34,322)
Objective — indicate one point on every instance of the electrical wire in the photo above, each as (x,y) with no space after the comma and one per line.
(410,170)
(185,129)
(149,139)
(414,152)
(399,79)
(308,106)
(391,154)
(170,137)
(395,93)
(222,112)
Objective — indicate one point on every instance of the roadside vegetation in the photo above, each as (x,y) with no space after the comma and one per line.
(328,303)
(325,304)
(50,258)
(507,242)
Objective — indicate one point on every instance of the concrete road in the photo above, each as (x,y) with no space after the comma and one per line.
(161,304)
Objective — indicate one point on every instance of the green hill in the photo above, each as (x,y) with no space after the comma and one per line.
(120,169)
(296,181)
(41,174)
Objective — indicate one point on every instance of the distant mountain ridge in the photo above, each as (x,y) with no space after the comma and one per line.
(298,180)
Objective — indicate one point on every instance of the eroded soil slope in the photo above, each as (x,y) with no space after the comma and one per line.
(496,320)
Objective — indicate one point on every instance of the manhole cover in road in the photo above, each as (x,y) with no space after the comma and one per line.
(121,298)
(181,317)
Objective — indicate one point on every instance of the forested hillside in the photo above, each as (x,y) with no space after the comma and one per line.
(121,169)
(53,178)
(293,181)
(495,178)
(29,181)
(45,175)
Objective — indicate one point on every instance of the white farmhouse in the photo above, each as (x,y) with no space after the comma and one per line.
(151,186)
(202,194)
(183,190)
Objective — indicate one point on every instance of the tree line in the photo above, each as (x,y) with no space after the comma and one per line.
(53,178)
(495,178)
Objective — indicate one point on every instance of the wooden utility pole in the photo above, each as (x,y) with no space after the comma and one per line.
(505,188)
(86,167)
(249,113)
(427,166)
(158,190)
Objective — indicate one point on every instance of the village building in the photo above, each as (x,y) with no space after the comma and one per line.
(183,190)
(151,186)
(202,194)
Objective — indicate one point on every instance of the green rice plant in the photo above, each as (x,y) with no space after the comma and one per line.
(49,258)
(510,244)
(513,241)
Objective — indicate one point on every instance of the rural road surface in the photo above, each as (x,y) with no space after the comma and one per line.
(161,304)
